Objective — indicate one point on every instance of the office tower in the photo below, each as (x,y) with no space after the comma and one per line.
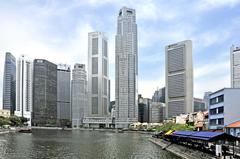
(44,93)
(9,83)
(24,88)
(206,99)
(98,74)
(63,94)
(79,94)
(159,95)
(198,105)
(179,78)
(126,58)
(144,105)
(157,112)
(235,66)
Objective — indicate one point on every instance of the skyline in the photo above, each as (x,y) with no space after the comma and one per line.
(55,29)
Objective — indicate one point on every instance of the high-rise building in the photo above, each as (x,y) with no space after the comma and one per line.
(44,93)
(9,83)
(98,74)
(98,81)
(63,94)
(206,99)
(179,78)
(159,95)
(79,95)
(24,88)
(157,112)
(126,69)
(144,105)
(235,66)
(198,105)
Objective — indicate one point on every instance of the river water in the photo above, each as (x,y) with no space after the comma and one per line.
(54,144)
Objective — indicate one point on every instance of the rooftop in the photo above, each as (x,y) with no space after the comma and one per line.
(234,125)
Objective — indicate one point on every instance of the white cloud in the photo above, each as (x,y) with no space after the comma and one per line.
(212,4)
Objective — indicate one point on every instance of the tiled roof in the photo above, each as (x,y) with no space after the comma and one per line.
(234,125)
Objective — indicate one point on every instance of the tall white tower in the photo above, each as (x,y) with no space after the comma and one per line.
(98,74)
(24,88)
(79,95)
(235,66)
(126,54)
(179,78)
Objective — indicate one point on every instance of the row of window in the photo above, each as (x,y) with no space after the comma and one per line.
(219,110)
(217,121)
(216,100)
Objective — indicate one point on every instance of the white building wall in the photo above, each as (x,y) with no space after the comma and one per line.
(98,75)
(235,66)
(78,95)
(24,80)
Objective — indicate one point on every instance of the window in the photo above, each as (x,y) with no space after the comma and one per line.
(213,111)
(95,46)
(220,110)
(216,100)
(213,121)
(94,65)
(220,121)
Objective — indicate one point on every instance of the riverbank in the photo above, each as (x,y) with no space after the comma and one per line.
(180,151)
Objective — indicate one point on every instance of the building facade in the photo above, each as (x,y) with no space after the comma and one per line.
(199,105)
(98,81)
(126,68)
(179,78)
(159,95)
(144,106)
(79,95)
(24,82)
(206,99)
(224,108)
(9,83)
(157,112)
(235,66)
(44,93)
(63,94)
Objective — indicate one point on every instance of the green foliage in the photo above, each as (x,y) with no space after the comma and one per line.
(13,121)
(172,126)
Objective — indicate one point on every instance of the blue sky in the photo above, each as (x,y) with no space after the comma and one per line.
(57,30)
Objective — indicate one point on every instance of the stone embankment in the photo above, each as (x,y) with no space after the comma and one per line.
(181,151)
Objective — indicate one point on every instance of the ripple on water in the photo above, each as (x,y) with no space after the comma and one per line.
(57,144)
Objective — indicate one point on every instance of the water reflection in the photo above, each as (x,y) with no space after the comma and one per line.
(79,144)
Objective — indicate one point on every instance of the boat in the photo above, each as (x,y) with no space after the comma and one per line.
(25,130)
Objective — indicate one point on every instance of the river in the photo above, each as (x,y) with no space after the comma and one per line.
(57,144)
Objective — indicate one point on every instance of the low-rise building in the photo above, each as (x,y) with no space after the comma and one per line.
(233,129)
(224,107)
(5,113)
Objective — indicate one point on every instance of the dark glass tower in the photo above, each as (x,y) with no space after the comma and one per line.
(9,83)
(44,93)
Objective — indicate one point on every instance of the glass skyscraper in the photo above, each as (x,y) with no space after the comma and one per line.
(44,93)
(9,83)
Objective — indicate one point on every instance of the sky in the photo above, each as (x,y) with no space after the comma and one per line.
(57,30)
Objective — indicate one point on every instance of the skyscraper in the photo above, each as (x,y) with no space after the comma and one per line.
(63,94)
(126,58)
(44,93)
(79,95)
(179,78)
(98,74)
(9,83)
(235,66)
(98,92)
(24,88)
